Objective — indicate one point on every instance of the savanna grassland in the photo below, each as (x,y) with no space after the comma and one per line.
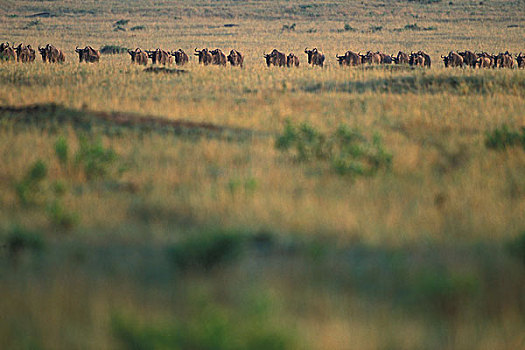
(262,208)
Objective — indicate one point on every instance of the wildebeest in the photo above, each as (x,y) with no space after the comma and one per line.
(218,57)
(504,60)
(385,59)
(401,58)
(205,56)
(236,58)
(416,59)
(469,58)
(7,53)
(426,58)
(275,58)
(292,60)
(25,53)
(521,60)
(88,54)
(51,54)
(315,57)
(181,58)
(483,62)
(452,60)
(371,58)
(138,56)
(350,58)
(160,56)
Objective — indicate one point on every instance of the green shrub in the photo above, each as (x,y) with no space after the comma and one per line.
(349,28)
(19,239)
(207,325)
(206,251)
(121,22)
(113,49)
(442,291)
(60,217)
(347,150)
(28,189)
(62,150)
(502,138)
(95,160)
(135,28)
(517,247)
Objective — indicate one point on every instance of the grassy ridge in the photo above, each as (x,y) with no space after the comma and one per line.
(155,211)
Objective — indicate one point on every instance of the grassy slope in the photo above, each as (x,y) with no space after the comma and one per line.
(397,231)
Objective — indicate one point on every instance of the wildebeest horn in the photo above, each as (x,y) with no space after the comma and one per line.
(196,50)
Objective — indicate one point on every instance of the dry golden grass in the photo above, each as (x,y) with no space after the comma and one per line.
(373,244)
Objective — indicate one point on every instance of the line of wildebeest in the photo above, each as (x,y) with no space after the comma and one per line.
(49,53)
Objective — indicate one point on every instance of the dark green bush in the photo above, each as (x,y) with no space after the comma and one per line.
(113,49)
(95,160)
(207,326)
(62,150)
(347,150)
(121,22)
(349,28)
(19,239)
(135,28)
(517,247)
(502,138)
(206,251)
(61,217)
(29,187)
(442,291)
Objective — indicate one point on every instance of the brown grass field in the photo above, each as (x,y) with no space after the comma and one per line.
(158,211)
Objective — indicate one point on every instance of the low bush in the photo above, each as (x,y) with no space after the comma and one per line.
(443,291)
(113,49)
(349,28)
(62,150)
(121,22)
(517,247)
(20,239)
(207,325)
(61,217)
(502,138)
(96,160)
(347,150)
(29,187)
(135,28)
(206,251)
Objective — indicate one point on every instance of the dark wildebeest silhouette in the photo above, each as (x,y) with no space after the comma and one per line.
(236,58)
(275,58)
(88,55)
(25,53)
(350,58)
(218,57)
(138,56)
(51,54)
(469,58)
(160,56)
(7,53)
(205,57)
(292,60)
(315,57)
(401,58)
(181,58)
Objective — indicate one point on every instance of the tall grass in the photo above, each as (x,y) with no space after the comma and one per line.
(166,216)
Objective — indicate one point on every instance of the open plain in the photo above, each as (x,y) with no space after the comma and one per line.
(369,207)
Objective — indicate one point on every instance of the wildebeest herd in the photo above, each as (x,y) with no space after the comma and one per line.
(25,53)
